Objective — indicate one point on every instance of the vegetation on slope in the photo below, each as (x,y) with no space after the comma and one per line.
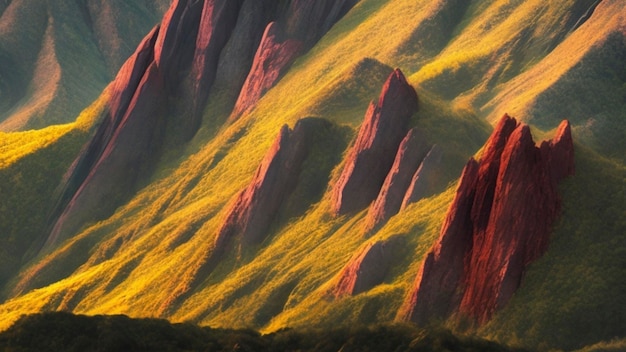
(28,179)
(66,332)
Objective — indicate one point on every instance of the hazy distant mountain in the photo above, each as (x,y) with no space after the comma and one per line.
(57,56)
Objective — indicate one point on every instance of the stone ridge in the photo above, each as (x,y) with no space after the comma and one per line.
(171,74)
(368,268)
(70,211)
(425,179)
(498,223)
(411,153)
(373,153)
(256,207)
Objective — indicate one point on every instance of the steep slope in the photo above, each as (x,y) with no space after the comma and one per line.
(593,53)
(57,57)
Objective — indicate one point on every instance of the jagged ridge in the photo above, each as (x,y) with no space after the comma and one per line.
(498,223)
(173,69)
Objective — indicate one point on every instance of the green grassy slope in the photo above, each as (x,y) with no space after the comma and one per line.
(133,261)
(57,57)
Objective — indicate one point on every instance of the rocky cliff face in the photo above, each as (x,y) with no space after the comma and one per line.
(373,153)
(113,158)
(296,28)
(257,206)
(409,157)
(498,223)
(172,74)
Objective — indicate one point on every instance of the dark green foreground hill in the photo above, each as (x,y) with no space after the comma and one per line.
(67,332)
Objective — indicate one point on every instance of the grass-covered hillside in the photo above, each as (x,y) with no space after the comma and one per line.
(56,57)
(470,62)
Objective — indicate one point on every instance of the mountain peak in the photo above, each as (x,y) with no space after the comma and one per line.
(373,153)
(498,223)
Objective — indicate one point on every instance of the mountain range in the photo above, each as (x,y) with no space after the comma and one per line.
(314,163)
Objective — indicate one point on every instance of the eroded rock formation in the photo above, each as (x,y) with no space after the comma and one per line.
(160,93)
(409,157)
(498,223)
(293,32)
(114,158)
(368,268)
(426,177)
(275,54)
(256,207)
(373,153)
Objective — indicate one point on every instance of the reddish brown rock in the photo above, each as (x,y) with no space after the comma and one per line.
(257,206)
(219,19)
(436,293)
(238,54)
(368,268)
(291,33)
(122,162)
(426,178)
(127,80)
(374,150)
(498,223)
(176,44)
(411,153)
(122,92)
(274,56)
(172,73)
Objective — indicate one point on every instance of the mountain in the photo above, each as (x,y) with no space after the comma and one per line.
(57,56)
(306,164)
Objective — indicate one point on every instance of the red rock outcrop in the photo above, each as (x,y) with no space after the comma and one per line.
(122,99)
(257,206)
(376,145)
(219,19)
(285,39)
(498,223)
(368,268)
(238,54)
(122,161)
(426,177)
(274,56)
(176,44)
(172,73)
(411,153)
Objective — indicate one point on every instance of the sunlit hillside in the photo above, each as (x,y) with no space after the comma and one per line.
(470,62)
